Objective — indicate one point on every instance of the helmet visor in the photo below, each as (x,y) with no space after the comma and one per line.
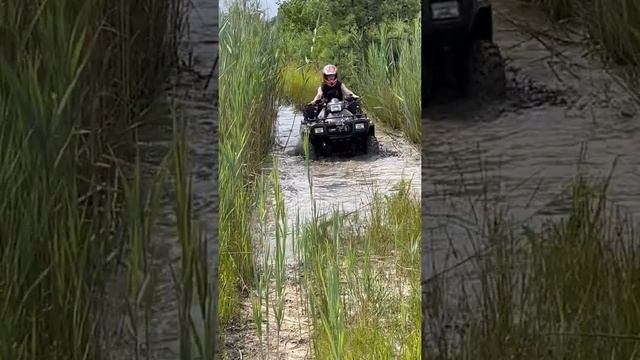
(331,81)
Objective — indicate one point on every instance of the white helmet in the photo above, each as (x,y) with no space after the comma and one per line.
(330,74)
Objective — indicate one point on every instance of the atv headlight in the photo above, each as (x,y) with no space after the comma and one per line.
(445,10)
(318,130)
(335,107)
(359,126)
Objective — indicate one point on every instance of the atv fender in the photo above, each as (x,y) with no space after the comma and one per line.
(372,130)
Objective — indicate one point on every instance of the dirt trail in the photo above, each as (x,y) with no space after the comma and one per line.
(294,343)
(558,97)
(344,183)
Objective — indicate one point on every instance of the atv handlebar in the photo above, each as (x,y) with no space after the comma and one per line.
(324,102)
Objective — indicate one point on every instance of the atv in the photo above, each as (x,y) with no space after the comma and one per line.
(335,125)
(458,47)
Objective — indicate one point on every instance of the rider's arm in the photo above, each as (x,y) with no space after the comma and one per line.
(346,92)
(318,95)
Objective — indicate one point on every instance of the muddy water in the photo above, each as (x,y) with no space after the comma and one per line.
(524,147)
(194,91)
(344,183)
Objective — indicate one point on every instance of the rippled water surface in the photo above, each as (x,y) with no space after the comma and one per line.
(527,146)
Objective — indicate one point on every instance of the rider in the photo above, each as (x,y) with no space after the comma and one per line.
(333,88)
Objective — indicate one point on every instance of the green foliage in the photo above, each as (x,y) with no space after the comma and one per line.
(337,32)
(362,279)
(390,78)
(352,15)
(300,83)
(295,16)
(249,82)
(567,290)
(375,44)
(77,78)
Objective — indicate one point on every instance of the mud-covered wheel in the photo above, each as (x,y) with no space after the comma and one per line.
(486,70)
(373,147)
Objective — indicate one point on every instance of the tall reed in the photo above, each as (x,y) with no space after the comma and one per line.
(259,297)
(76,79)
(563,291)
(390,79)
(612,25)
(300,83)
(281,234)
(362,278)
(249,83)
(197,307)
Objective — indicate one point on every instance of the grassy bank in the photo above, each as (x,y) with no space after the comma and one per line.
(300,83)
(612,25)
(77,79)
(361,277)
(249,83)
(355,288)
(390,78)
(568,290)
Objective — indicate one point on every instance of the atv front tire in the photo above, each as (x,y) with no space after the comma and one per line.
(486,70)
(373,147)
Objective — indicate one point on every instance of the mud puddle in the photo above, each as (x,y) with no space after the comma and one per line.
(524,148)
(340,182)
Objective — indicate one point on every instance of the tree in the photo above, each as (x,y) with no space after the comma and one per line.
(338,31)
(302,15)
